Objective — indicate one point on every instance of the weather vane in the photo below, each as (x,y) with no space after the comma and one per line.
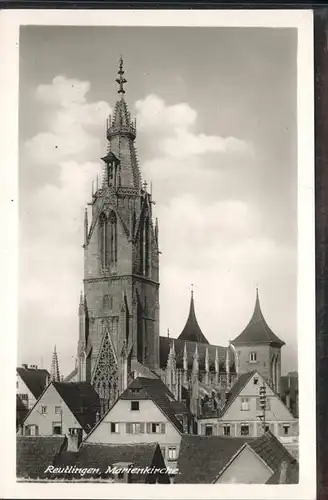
(121,80)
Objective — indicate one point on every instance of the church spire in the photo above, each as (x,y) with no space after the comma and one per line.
(257,330)
(122,168)
(54,371)
(192,331)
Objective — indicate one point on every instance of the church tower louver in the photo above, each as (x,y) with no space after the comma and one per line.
(119,309)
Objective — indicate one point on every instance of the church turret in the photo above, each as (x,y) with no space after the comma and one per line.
(227,366)
(207,367)
(192,331)
(217,365)
(54,371)
(185,364)
(194,392)
(259,347)
(86,227)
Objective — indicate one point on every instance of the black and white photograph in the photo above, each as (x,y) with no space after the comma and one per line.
(162,331)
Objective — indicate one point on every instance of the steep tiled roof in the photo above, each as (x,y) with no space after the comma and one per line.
(35,453)
(164,349)
(36,379)
(269,448)
(236,388)
(104,455)
(257,330)
(201,458)
(192,329)
(154,389)
(82,400)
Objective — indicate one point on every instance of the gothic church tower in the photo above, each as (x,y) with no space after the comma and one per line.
(119,309)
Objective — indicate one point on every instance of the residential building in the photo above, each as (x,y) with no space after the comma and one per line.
(146,412)
(21,412)
(242,415)
(30,383)
(222,459)
(62,408)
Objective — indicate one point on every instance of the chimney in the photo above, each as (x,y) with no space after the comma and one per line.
(24,365)
(34,367)
(283,473)
(74,439)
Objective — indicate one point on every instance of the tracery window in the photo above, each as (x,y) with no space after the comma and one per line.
(108,239)
(105,379)
(144,249)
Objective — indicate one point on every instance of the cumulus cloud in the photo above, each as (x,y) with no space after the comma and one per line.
(62,159)
(172,128)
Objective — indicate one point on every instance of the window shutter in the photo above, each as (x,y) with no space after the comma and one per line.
(148,427)
(162,428)
(128,428)
(142,427)
(258,408)
(202,429)
(36,430)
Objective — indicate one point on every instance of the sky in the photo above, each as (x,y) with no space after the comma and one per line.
(216,137)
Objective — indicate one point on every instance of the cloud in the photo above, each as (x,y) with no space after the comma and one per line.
(172,127)
(58,166)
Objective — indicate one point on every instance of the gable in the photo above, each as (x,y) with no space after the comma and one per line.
(121,413)
(50,398)
(246,468)
(276,410)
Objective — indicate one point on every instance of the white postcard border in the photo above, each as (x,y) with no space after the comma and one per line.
(10,22)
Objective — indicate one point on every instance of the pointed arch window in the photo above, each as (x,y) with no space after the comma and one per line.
(144,247)
(108,239)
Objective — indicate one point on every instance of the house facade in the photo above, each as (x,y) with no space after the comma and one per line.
(145,413)
(242,414)
(243,460)
(62,408)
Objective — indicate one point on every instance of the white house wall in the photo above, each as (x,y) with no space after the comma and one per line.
(21,388)
(246,468)
(148,412)
(50,399)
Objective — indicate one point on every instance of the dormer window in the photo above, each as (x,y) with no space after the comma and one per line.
(252,357)
(134,405)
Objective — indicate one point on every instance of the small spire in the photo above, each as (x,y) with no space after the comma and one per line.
(54,371)
(217,361)
(192,290)
(86,226)
(168,333)
(81,298)
(207,360)
(121,80)
(185,357)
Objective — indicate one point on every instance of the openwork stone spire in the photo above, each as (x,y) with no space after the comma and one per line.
(54,371)
(121,159)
